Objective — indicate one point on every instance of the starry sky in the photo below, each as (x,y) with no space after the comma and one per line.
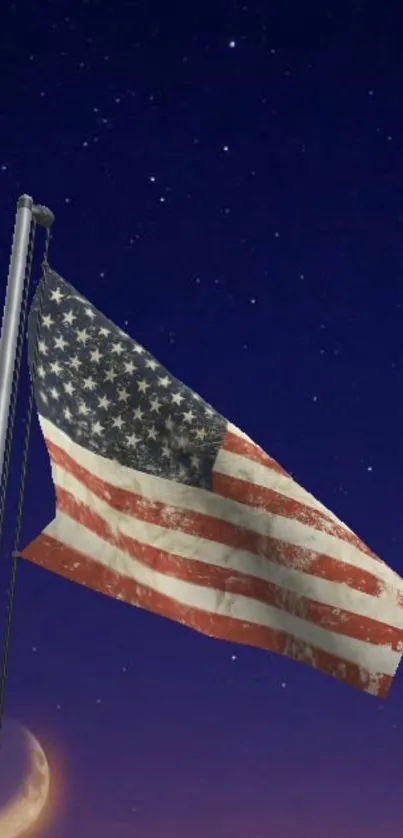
(227,180)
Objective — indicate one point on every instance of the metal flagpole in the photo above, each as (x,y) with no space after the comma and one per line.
(12,311)
(26,212)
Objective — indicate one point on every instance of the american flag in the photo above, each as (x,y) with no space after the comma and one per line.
(164,504)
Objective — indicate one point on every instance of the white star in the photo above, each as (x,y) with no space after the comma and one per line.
(83,409)
(177,398)
(123,395)
(188,416)
(56,295)
(75,362)
(55,368)
(143,385)
(104,332)
(89,312)
(117,348)
(89,383)
(103,402)
(137,348)
(60,342)
(69,389)
(152,432)
(155,405)
(110,375)
(95,356)
(138,413)
(129,367)
(69,317)
(200,433)
(117,422)
(54,393)
(132,440)
(151,364)
(97,428)
(42,347)
(169,423)
(82,336)
(195,460)
(67,414)
(41,371)
(164,382)
(47,320)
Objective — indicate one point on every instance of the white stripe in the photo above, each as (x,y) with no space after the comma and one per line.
(159,489)
(375,659)
(192,548)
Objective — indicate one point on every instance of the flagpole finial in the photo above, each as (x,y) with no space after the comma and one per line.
(24,202)
(42,215)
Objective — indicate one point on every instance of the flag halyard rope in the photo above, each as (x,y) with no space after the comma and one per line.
(25,454)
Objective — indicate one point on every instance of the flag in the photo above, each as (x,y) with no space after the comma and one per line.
(163,503)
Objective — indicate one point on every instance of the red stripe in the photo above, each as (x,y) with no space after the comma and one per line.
(232,581)
(54,556)
(222,532)
(275,503)
(246,448)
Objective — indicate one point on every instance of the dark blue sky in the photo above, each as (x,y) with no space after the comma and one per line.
(228,187)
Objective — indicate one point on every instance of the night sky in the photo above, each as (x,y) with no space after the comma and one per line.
(227,180)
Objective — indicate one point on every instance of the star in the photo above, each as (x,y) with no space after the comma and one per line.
(56,295)
(82,336)
(95,356)
(69,317)
(117,422)
(55,368)
(110,375)
(123,395)
(129,367)
(60,343)
(83,409)
(89,383)
(75,362)
(155,405)
(188,416)
(143,385)
(177,398)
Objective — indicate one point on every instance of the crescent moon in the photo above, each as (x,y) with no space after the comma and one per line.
(25,808)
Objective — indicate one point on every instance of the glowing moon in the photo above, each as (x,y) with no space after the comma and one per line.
(28,802)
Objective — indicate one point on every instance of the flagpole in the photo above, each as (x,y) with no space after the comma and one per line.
(12,313)
(27,212)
